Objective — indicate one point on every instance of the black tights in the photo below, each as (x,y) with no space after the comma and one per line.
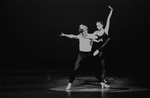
(96,67)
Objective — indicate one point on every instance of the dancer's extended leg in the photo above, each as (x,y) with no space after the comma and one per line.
(73,74)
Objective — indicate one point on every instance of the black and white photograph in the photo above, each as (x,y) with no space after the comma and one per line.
(74,49)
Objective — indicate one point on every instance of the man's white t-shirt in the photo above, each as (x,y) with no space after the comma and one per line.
(85,44)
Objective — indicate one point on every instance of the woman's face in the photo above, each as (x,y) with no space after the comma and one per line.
(99,25)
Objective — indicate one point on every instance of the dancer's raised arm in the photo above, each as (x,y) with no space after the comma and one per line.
(108,20)
(70,35)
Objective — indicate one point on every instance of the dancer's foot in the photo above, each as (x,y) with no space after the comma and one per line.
(68,86)
(104,85)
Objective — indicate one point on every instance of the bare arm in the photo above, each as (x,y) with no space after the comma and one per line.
(108,20)
(97,40)
(70,36)
(91,36)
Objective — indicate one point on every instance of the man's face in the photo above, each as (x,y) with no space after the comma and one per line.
(85,30)
(85,33)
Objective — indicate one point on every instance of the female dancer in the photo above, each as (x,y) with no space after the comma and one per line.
(103,45)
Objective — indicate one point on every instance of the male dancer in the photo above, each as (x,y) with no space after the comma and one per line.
(102,33)
(85,46)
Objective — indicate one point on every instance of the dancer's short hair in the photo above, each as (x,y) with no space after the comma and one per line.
(82,28)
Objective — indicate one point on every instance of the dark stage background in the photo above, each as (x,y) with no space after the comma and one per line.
(30,33)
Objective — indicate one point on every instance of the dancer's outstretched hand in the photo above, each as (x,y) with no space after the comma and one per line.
(110,7)
(62,34)
(95,53)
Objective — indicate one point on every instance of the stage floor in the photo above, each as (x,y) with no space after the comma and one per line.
(45,83)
